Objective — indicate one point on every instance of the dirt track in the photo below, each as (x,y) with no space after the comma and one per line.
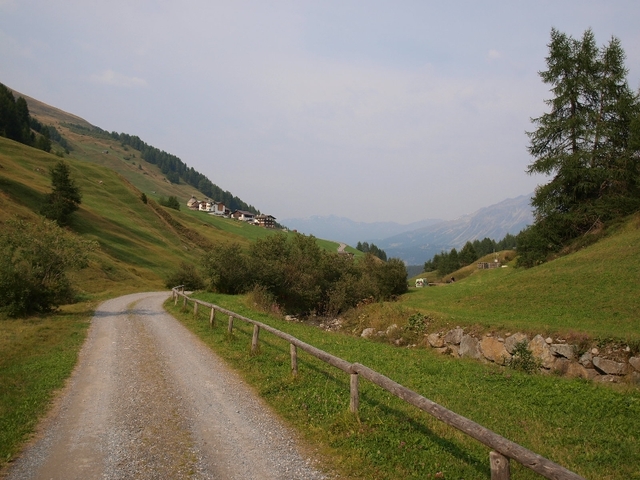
(149,400)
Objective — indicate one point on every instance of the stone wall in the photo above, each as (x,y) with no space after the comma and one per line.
(606,364)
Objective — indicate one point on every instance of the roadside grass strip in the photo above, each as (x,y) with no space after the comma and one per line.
(588,428)
(37,356)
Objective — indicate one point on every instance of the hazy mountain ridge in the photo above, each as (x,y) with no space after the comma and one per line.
(417,242)
(495,221)
(341,229)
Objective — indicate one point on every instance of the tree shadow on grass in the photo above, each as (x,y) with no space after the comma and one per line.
(21,193)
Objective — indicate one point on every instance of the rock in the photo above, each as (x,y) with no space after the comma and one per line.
(607,379)
(561,365)
(548,340)
(575,370)
(540,350)
(392,329)
(470,347)
(368,332)
(595,351)
(493,350)
(592,373)
(442,349)
(585,360)
(635,378)
(562,350)
(454,336)
(435,340)
(512,340)
(609,367)
(635,363)
(454,350)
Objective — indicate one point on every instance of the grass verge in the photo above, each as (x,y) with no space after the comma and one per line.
(589,428)
(38,355)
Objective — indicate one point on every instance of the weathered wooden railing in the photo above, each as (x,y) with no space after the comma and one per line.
(503,450)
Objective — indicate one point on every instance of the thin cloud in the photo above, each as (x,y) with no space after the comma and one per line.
(494,54)
(109,77)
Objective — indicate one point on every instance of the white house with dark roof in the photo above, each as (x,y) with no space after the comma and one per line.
(243,215)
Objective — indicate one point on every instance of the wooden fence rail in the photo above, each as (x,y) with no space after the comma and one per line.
(503,449)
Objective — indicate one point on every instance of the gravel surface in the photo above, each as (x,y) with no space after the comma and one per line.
(149,400)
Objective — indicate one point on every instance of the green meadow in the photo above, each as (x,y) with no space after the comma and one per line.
(592,429)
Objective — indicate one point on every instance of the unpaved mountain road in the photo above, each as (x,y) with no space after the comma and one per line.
(150,400)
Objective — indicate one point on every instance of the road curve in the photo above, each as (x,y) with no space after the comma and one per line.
(149,400)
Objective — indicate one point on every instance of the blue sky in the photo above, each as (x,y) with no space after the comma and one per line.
(376,111)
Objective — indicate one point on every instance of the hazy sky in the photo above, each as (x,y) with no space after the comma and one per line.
(376,111)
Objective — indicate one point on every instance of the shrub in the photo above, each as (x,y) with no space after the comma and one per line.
(522,358)
(226,268)
(300,277)
(417,323)
(186,275)
(171,202)
(33,265)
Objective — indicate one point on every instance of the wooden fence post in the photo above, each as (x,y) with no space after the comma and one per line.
(212,317)
(195,309)
(175,298)
(294,359)
(499,466)
(184,303)
(254,340)
(354,401)
(230,327)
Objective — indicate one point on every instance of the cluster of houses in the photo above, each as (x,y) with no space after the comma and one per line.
(218,208)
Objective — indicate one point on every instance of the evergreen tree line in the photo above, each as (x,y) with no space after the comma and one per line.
(294,273)
(17,124)
(589,142)
(175,169)
(446,262)
(372,249)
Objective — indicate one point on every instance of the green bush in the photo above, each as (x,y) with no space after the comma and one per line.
(186,275)
(171,202)
(522,359)
(226,268)
(301,277)
(33,265)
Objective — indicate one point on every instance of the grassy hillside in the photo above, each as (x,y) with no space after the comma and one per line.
(594,291)
(139,244)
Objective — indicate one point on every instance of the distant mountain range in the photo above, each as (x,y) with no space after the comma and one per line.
(341,229)
(418,242)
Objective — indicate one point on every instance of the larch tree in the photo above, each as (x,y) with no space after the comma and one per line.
(588,143)
(65,197)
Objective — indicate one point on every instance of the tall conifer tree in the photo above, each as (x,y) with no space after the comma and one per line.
(587,142)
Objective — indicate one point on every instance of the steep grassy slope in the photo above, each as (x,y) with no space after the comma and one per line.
(90,145)
(594,290)
(138,246)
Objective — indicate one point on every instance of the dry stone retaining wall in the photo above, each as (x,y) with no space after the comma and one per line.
(559,356)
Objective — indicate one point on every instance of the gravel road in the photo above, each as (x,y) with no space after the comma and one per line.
(149,400)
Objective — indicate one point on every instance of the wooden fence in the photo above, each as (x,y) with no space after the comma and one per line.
(502,449)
